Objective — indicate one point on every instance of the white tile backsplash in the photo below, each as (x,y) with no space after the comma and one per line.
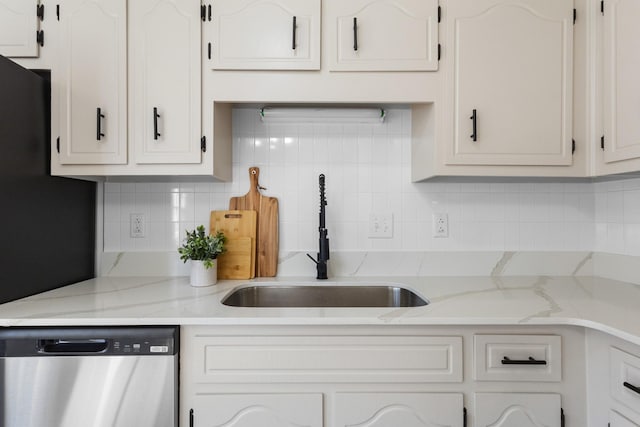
(367,168)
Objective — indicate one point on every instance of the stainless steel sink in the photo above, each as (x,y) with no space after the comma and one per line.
(323,296)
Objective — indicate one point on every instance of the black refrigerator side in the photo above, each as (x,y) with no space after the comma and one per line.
(47,224)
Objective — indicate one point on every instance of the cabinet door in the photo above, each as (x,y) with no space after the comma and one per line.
(91,79)
(617,420)
(165,76)
(18,27)
(517,410)
(258,410)
(266,35)
(398,409)
(621,83)
(371,35)
(510,82)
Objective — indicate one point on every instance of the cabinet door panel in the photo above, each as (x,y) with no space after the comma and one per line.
(398,409)
(258,410)
(617,420)
(397,35)
(513,66)
(622,86)
(91,74)
(18,26)
(165,71)
(259,35)
(517,410)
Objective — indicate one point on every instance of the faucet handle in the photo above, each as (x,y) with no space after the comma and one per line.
(312,259)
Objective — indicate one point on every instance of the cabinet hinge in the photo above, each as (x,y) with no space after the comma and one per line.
(58,145)
(602,7)
(58,12)
(602,142)
(203,144)
(561,417)
(209,12)
(439,51)
(575,16)
(40,11)
(191,418)
(40,37)
(573,146)
(464,417)
(209,50)
(203,12)
(439,14)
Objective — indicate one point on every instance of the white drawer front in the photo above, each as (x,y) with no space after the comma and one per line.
(625,376)
(329,359)
(517,358)
(617,420)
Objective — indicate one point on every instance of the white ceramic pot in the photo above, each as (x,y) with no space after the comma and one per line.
(201,276)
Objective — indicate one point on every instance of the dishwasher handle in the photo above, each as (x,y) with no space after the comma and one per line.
(72,346)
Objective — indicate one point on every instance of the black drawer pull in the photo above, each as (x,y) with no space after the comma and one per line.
(99,117)
(530,361)
(631,387)
(293,42)
(355,34)
(156,116)
(474,119)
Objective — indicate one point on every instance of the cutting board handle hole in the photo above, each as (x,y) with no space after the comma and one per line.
(233,215)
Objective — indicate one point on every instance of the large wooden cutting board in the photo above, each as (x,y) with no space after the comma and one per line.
(239,228)
(267,210)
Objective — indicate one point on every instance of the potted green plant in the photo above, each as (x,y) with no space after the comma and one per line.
(202,250)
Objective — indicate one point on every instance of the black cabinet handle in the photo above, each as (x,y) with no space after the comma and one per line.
(355,34)
(530,361)
(155,123)
(191,418)
(474,119)
(293,42)
(99,117)
(631,387)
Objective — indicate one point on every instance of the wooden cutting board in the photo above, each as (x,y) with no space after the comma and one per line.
(239,227)
(267,210)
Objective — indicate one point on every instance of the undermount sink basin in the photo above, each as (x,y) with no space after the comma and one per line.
(323,296)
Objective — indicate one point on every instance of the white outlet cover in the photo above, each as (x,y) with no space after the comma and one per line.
(381,225)
(138,225)
(440,222)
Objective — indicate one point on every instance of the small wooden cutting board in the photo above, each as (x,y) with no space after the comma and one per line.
(239,228)
(267,233)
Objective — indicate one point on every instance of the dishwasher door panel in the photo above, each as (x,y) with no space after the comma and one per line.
(105,391)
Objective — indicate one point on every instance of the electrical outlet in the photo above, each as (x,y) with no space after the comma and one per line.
(137,225)
(381,225)
(440,225)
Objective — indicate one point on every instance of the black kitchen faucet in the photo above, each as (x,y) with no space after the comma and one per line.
(323,251)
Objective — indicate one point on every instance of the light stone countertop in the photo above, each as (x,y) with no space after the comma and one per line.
(606,305)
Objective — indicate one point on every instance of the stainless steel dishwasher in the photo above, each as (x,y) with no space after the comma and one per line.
(93,376)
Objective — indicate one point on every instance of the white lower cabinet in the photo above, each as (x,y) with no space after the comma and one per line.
(257,410)
(618,420)
(398,409)
(518,410)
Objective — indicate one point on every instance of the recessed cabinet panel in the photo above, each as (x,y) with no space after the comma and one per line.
(165,76)
(617,420)
(398,409)
(258,410)
(92,82)
(621,83)
(266,35)
(517,410)
(511,82)
(371,35)
(18,26)
(330,359)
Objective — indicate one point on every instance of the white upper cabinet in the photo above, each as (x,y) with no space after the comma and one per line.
(19,28)
(91,77)
(165,81)
(382,35)
(266,35)
(621,82)
(509,82)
